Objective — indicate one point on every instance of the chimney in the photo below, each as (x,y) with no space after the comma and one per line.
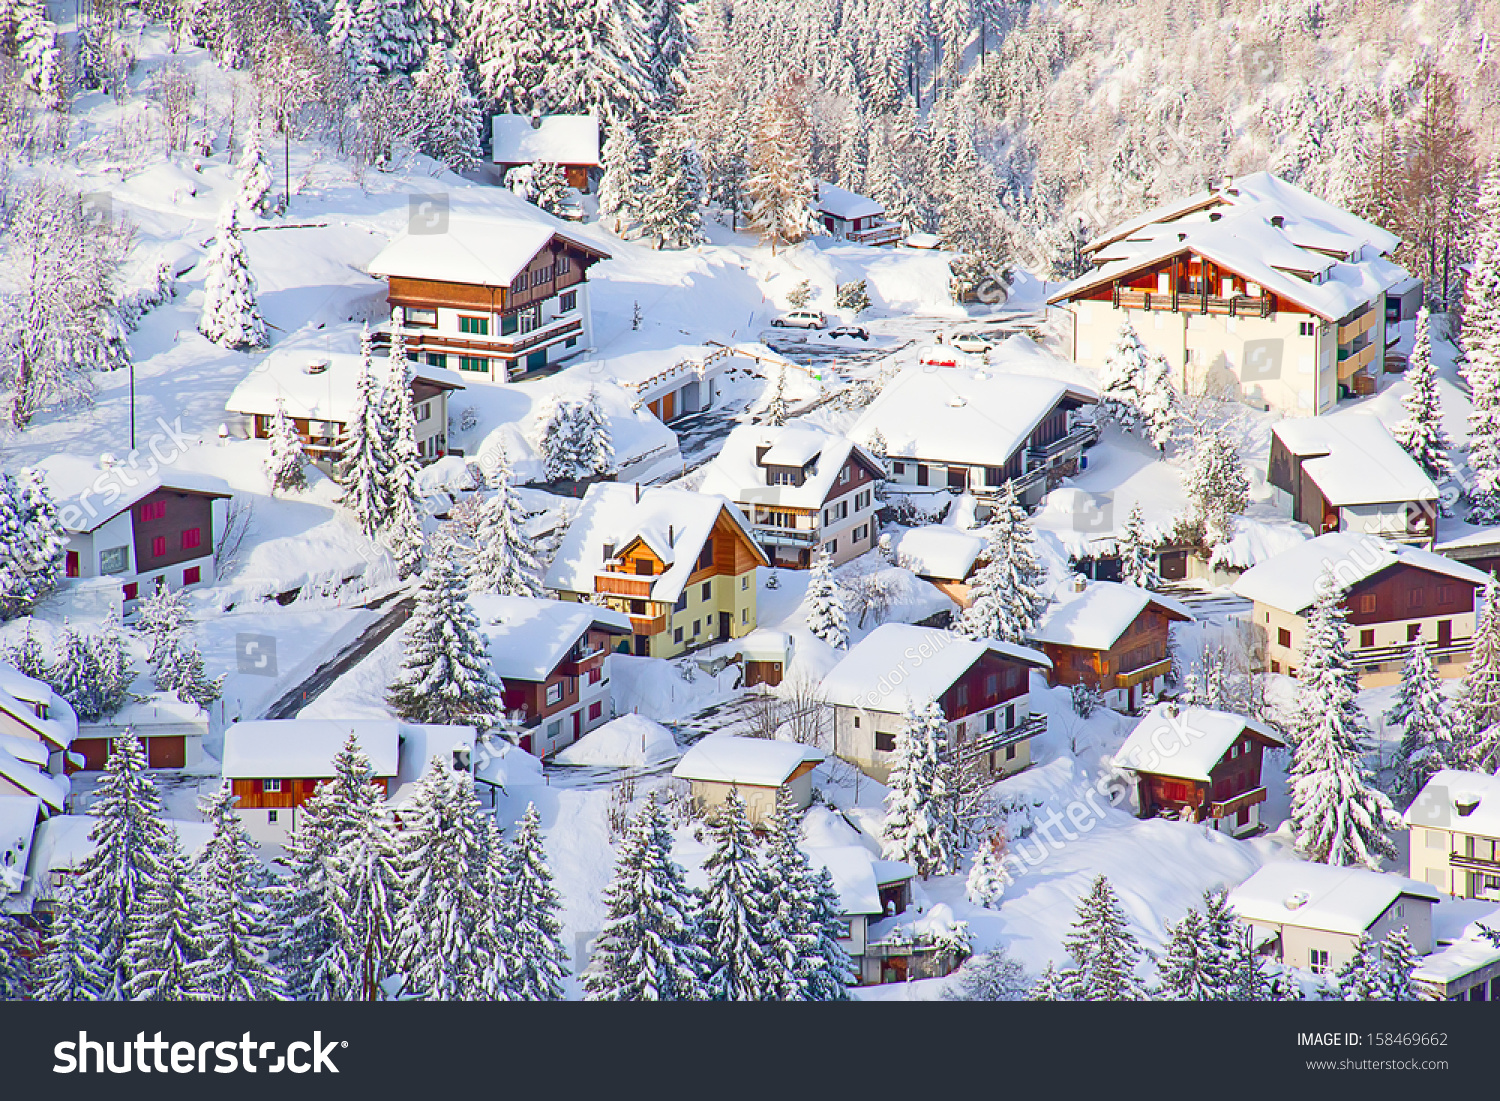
(637,492)
(1278,221)
(1080,583)
(671,536)
(536,120)
(1215,216)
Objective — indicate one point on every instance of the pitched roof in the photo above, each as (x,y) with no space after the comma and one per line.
(1458,799)
(938,551)
(52,790)
(1186,742)
(488,250)
(85,509)
(735,473)
(1322,896)
(18,815)
(1290,581)
(1095,618)
(731,759)
(1355,460)
(559,139)
(305,748)
(858,875)
(979,418)
(845,204)
(898,663)
(529,637)
(674,523)
(329,394)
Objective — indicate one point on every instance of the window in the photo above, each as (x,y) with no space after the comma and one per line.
(643,567)
(478,326)
(708,590)
(745,615)
(564,264)
(159,546)
(272,816)
(697,626)
(677,635)
(1318,961)
(132,591)
(844,475)
(782,478)
(885,742)
(596,709)
(114,560)
(1308,328)
(192,537)
(637,607)
(1367,603)
(1366,639)
(153,510)
(509,324)
(681,605)
(554,693)
(856,722)
(1283,637)
(706,556)
(1416,598)
(270,787)
(437,359)
(596,674)
(531,319)
(1445,594)
(1010,753)
(554,730)
(1413,632)
(421,319)
(192,575)
(831,546)
(568,302)
(898,468)
(609,551)
(961,695)
(744,583)
(473,363)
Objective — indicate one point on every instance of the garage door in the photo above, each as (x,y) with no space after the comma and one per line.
(166,752)
(94,751)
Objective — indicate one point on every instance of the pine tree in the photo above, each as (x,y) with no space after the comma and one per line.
(75,678)
(69,969)
(1189,957)
(130,855)
(1051,986)
(235,930)
(836,972)
(739,931)
(1421,711)
(992,977)
(669,215)
(776,409)
(299,899)
(286,463)
(402,528)
(1421,433)
(1136,390)
(1216,486)
(1477,704)
(447,115)
(1337,816)
(1233,971)
(558,443)
(1005,595)
(504,560)
(1482,369)
(446,675)
(17,951)
(622,194)
(531,907)
(549,186)
(825,604)
(780,183)
(362,458)
(163,618)
(592,442)
(33,545)
(231,317)
(986,882)
(1399,958)
(651,948)
(389,35)
(163,943)
(1362,978)
(1137,553)
(180,671)
(444,855)
(1104,950)
(110,663)
(921,822)
(366,895)
(790,903)
(255,178)
(494,940)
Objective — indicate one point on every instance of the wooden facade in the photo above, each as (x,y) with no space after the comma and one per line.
(295,791)
(165,751)
(583,661)
(1311,507)
(170,526)
(991,681)
(1234,786)
(1404,592)
(1190,283)
(1139,654)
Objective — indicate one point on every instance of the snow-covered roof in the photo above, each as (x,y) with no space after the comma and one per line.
(736,474)
(674,523)
(1322,258)
(939,551)
(60,726)
(1095,618)
(1290,581)
(327,392)
(1355,460)
(756,762)
(18,815)
(529,637)
(488,250)
(764,644)
(18,685)
(555,139)
(1186,742)
(844,204)
(305,748)
(1322,896)
(52,790)
(420,743)
(898,663)
(90,493)
(858,875)
(978,418)
(630,741)
(62,842)
(1469,951)
(25,750)
(1461,800)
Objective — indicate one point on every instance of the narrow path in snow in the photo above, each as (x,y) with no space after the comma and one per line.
(322,678)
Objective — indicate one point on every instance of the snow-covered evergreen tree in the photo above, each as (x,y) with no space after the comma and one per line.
(622,192)
(254,197)
(837,972)
(793,903)
(593,443)
(391,43)
(231,316)
(504,559)
(531,909)
(1005,597)
(651,947)
(1421,432)
(826,617)
(234,931)
(740,931)
(366,899)
(446,675)
(558,442)
(447,119)
(110,665)
(33,545)
(776,411)
(362,457)
(1104,950)
(128,860)
(670,216)
(986,883)
(1137,553)
(1362,978)
(164,619)
(1482,368)
(299,899)
(1338,817)
(18,950)
(1420,710)
(163,942)
(286,463)
(921,826)
(1189,961)
(549,187)
(69,968)
(1051,986)
(179,670)
(1216,485)
(1136,390)
(780,183)
(1477,703)
(402,529)
(1399,958)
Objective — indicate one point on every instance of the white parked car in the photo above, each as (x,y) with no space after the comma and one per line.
(971,342)
(801,319)
(571,205)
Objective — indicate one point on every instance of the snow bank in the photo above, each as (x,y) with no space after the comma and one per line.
(627,742)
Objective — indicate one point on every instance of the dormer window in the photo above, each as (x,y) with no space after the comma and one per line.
(609,551)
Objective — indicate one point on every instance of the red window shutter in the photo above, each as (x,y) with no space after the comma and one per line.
(191,538)
(131,590)
(158,546)
(192,575)
(70,568)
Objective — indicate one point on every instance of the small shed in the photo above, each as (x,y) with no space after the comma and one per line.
(765,654)
(758,768)
(570,141)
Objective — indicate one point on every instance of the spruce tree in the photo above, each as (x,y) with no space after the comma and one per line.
(163,943)
(1051,986)
(402,528)
(110,662)
(549,186)
(494,940)
(366,899)
(1136,390)
(776,408)
(1477,704)
(362,457)
(739,930)
(69,968)
(1338,817)
(1482,369)
(921,826)
(1188,960)
(1399,958)
(129,859)
(231,317)
(1421,432)
(234,930)
(1216,486)
(1421,712)
(592,441)
(986,883)
(75,676)
(825,603)
(446,675)
(504,560)
(791,902)
(255,178)
(1362,978)
(448,118)
(286,463)
(651,948)
(1104,950)
(33,544)
(780,183)
(531,907)
(299,899)
(164,619)
(622,192)
(558,444)
(18,950)
(669,215)
(1006,600)
(1137,553)
(836,971)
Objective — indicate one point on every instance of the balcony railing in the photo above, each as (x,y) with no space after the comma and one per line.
(1031,727)
(886,233)
(1240,305)
(1474,863)
(1371,657)
(1359,325)
(648,625)
(784,537)
(1132,677)
(1351,362)
(509,346)
(623,584)
(1079,436)
(1223,808)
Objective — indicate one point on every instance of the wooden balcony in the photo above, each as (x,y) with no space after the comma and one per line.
(1144,673)
(1474,863)
(1031,727)
(1351,362)
(648,625)
(515,344)
(887,233)
(1240,305)
(1358,326)
(1223,808)
(1078,437)
(623,584)
(1372,657)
